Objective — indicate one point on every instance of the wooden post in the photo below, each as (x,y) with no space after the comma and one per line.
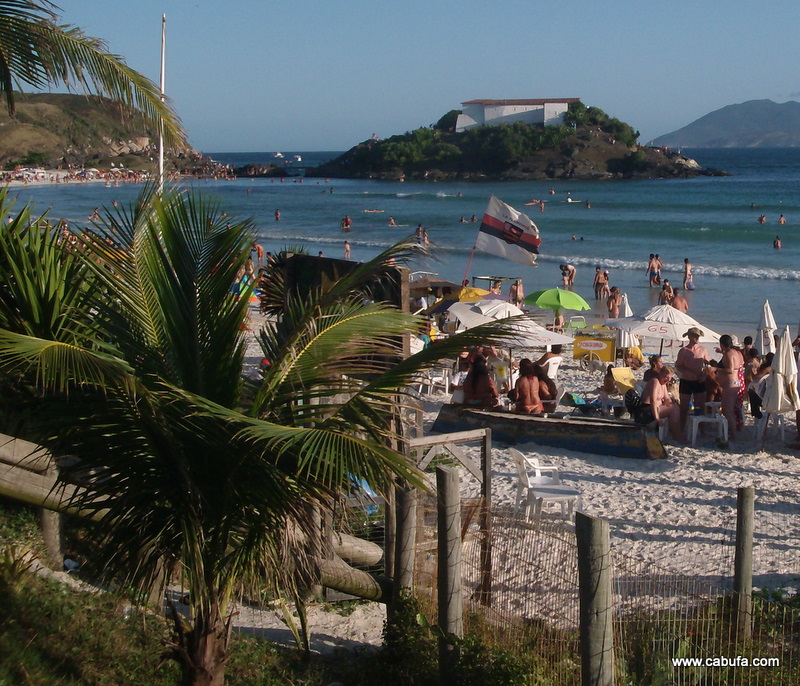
(406,499)
(596,620)
(448,506)
(51,530)
(743,561)
(485,588)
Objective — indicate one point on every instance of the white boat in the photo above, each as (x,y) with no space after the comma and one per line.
(297,158)
(278,154)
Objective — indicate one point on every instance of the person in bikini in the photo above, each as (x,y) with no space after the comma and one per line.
(729,369)
(527,390)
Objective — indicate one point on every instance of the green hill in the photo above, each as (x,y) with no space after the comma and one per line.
(751,124)
(52,129)
(589,145)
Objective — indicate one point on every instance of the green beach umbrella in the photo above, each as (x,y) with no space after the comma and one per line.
(557,299)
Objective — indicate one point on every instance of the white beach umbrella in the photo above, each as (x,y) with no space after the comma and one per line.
(497,309)
(766,330)
(780,389)
(468,315)
(625,339)
(624,308)
(664,322)
(527,333)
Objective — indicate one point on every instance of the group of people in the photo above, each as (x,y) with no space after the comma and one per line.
(476,381)
(654,266)
(738,372)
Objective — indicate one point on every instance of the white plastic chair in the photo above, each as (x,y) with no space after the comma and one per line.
(538,489)
(551,366)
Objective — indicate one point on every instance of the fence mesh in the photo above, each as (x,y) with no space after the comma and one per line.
(659,615)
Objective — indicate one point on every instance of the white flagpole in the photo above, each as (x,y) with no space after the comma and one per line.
(161,124)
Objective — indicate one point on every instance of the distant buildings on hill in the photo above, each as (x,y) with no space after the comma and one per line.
(544,111)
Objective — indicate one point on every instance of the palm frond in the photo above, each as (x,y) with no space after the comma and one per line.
(38,52)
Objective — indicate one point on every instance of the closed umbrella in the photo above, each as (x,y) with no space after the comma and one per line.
(625,339)
(766,329)
(780,389)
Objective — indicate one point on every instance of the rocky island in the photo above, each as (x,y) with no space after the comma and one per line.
(589,145)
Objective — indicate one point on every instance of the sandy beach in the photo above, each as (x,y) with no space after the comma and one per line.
(677,514)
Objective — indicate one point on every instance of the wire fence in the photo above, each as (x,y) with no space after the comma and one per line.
(660,616)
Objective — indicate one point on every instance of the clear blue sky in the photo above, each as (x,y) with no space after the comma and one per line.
(325,74)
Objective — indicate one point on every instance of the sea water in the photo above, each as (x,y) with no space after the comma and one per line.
(710,220)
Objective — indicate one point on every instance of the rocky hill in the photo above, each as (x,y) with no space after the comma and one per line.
(52,129)
(590,145)
(751,124)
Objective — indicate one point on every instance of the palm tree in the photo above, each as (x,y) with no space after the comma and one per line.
(36,51)
(138,374)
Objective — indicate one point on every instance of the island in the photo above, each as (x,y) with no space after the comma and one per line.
(582,143)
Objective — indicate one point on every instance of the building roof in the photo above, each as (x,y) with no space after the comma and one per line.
(534,101)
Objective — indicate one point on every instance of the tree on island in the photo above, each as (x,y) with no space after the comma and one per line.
(122,347)
(36,51)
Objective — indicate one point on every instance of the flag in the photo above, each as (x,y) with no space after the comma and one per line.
(507,233)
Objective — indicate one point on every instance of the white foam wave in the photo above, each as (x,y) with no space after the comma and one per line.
(738,272)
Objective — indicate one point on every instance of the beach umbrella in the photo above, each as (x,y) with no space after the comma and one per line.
(557,299)
(780,388)
(766,329)
(625,339)
(664,322)
(497,309)
(461,294)
(624,308)
(526,333)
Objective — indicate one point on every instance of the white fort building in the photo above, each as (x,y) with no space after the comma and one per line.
(544,111)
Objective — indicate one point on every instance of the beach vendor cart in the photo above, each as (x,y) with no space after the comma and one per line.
(594,345)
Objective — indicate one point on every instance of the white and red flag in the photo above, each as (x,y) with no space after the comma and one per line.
(507,233)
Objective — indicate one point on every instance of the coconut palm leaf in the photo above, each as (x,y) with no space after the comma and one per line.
(167,290)
(36,51)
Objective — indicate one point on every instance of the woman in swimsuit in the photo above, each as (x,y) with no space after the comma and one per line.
(730,370)
(527,390)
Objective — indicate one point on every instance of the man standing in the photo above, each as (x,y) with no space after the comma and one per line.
(678,301)
(690,365)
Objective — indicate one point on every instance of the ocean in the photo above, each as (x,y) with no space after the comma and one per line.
(710,220)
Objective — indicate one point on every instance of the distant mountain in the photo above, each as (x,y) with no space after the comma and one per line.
(751,124)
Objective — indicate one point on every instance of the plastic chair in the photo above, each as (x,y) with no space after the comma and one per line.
(624,379)
(576,322)
(551,366)
(538,489)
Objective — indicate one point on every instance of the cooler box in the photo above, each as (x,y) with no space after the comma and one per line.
(602,345)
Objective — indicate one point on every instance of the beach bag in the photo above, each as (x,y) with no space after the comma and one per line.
(633,403)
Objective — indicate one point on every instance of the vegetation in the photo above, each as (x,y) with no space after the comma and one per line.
(52,129)
(37,51)
(490,150)
(123,347)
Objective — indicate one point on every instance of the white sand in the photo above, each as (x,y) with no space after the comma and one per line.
(678,514)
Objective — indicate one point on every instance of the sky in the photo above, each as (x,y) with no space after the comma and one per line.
(264,75)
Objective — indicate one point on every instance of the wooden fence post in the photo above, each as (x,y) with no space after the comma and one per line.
(743,561)
(406,499)
(596,617)
(485,588)
(448,506)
